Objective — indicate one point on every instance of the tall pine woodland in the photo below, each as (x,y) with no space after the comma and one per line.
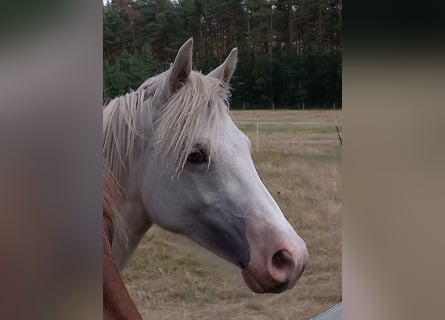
(289,50)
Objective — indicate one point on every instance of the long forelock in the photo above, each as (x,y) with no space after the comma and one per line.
(196,112)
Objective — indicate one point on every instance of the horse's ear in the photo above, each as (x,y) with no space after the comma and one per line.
(181,68)
(226,69)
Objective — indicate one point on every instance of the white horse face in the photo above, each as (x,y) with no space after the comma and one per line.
(218,199)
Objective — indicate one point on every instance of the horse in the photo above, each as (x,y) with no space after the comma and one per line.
(117,303)
(184,165)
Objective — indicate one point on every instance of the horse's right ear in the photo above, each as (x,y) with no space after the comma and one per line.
(225,71)
(181,68)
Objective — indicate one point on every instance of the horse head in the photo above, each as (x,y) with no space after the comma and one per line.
(198,177)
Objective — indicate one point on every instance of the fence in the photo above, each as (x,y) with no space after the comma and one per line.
(298,106)
(267,135)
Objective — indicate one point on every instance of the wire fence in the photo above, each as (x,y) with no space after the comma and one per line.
(333,105)
(267,135)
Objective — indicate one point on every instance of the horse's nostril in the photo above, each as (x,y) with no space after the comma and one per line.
(281,260)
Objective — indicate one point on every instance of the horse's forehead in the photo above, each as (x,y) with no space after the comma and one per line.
(202,79)
(233,135)
(197,80)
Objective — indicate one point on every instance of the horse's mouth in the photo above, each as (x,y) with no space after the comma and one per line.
(259,283)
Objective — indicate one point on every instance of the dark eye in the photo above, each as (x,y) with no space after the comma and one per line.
(198,155)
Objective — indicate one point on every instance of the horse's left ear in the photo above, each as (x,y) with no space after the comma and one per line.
(181,68)
(226,69)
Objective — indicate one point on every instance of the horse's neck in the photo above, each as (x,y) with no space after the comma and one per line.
(136,224)
(135,221)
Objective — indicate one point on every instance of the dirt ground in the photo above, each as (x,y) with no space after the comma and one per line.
(299,161)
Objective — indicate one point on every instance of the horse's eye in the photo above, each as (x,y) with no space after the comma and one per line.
(197,156)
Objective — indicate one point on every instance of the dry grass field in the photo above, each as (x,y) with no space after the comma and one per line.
(169,277)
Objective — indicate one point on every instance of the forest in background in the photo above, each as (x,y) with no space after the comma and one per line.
(289,51)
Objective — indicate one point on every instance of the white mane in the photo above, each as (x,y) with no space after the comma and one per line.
(196,113)
(120,131)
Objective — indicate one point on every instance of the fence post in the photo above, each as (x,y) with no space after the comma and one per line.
(257,138)
(303,105)
(339,136)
